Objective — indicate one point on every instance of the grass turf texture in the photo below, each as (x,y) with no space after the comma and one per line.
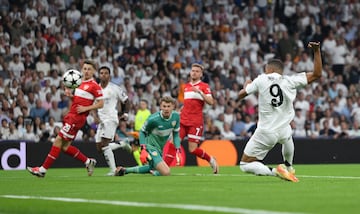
(322,189)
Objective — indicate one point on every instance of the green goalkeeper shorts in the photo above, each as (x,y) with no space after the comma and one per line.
(156,156)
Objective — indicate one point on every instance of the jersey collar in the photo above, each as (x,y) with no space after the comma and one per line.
(197,82)
(161,115)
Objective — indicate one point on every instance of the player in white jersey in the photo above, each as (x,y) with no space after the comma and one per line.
(276,94)
(108,116)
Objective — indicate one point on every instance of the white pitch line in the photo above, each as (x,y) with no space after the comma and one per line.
(143,204)
(248,175)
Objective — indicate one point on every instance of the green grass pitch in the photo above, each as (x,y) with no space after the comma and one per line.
(322,188)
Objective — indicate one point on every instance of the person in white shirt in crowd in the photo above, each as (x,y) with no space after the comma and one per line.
(305,64)
(299,124)
(29,135)
(227,133)
(13,134)
(302,103)
(73,14)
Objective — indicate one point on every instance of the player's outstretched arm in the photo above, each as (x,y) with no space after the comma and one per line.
(242,92)
(316,74)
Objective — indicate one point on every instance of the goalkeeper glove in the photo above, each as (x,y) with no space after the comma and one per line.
(144,155)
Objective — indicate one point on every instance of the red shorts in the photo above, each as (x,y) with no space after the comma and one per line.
(193,132)
(72,123)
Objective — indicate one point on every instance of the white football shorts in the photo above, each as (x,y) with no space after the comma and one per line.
(106,130)
(261,142)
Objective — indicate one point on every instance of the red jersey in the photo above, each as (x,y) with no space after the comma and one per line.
(192,111)
(85,95)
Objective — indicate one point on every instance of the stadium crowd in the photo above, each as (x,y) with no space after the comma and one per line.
(150,46)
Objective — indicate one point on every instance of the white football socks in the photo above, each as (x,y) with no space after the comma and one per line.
(256,168)
(109,157)
(288,151)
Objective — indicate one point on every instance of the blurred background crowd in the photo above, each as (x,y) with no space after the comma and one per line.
(150,46)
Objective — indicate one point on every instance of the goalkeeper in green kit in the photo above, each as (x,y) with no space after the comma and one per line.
(157,129)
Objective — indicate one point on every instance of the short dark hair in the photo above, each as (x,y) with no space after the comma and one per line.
(145,101)
(106,68)
(276,63)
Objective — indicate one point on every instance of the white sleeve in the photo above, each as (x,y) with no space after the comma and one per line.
(299,80)
(253,86)
(121,94)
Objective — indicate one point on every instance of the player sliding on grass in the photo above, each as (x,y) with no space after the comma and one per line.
(276,94)
(153,136)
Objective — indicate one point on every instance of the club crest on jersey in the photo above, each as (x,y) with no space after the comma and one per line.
(86,87)
(173,123)
(154,153)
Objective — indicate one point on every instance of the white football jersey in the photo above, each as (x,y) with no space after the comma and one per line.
(276,94)
(112,93)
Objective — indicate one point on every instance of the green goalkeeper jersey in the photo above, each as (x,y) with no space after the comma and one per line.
(157,130)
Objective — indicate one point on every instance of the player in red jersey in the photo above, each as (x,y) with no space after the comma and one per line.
(88,96)
(196,94)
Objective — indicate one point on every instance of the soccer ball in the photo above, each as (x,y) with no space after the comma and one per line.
(72,78)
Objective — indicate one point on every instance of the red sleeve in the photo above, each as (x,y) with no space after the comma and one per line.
(206,89)
(97,91)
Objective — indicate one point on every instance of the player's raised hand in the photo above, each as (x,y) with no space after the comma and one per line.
(314,45)
(246,83)
(69,92)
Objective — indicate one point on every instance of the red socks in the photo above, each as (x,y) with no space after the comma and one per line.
(51,157)
(75,153)
(201,154)
(55,152)
(170,154)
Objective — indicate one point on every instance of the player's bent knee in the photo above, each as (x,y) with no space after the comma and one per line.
(166,173)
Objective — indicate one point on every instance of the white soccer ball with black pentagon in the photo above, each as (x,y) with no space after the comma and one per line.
(72,78)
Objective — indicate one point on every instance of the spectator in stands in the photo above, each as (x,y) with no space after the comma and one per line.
(16,66)
(305,64)
(55,112)
(354,132)
(299,124)
(73,14)
(46,104)
(311,132)
(227,133)
(29,135)
(39,111)
(238,126)
(14,134)
(43,65)
(4,129)
(213,133)
(326,131)
(344,131)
